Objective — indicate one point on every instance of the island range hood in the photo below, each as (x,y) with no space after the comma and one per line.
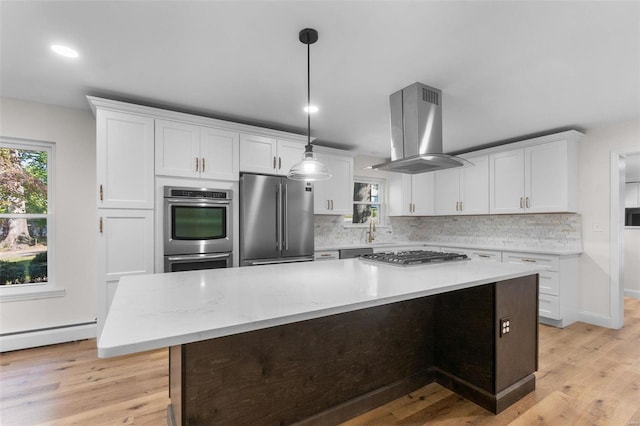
(416,132)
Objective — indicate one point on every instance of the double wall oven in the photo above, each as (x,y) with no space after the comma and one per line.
(197,229)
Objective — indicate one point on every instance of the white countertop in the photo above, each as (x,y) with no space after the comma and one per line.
(161,310)
(418,244)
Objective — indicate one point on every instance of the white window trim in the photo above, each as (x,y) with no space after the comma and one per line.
(34,291)
(383,218)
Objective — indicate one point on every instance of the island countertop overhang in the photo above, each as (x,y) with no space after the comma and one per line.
(160,310)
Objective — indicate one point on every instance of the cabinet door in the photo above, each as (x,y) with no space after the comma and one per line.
(289,153)
(339,189)
(632,198)
(124,247)
(258,154)
(400,203)
(506,176)
(447,192)
(177,149)
(321,202)
(422,194)
(124,151)
(474,187)
(545,171)
(219,153)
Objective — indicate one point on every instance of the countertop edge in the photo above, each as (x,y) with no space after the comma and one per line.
(175,340)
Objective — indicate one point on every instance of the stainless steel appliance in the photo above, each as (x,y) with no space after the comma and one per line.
(354,252)
(276,220)
(413,257)
(632,216)
(198,228)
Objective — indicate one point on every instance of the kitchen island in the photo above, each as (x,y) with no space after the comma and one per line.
(319,342)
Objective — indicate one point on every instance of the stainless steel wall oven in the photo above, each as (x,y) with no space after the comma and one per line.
(198,228)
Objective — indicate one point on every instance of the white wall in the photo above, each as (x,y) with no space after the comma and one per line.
(594,195)
(73,132)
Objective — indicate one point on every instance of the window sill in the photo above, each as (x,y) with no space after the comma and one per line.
(363,226)
(30,292)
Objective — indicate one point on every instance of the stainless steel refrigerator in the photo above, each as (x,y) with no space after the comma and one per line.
(276,220)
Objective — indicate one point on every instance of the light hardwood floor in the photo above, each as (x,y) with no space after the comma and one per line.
(588,375)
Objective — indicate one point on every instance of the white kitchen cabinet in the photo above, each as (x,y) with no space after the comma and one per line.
(479,254)
(326,255)
(334,196)
(540,178)
(124,151)
(558,285)
(125,246)
(186,150)
(463,190)
(632,198)
(411,195)
(262,154)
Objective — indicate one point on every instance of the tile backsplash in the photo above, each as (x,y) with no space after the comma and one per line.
(558,231)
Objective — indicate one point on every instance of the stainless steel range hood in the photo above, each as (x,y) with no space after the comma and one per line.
(416,132)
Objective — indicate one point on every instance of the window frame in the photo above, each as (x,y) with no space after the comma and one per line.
(382,210)
(30,291)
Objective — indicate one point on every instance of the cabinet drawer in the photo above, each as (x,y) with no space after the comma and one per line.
(491,256)
(326,255)
(549,306)
(549,283)
(551,262)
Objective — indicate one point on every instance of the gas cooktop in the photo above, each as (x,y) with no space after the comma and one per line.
(413,257)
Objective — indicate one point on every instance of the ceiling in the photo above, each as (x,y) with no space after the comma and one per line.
(506,69)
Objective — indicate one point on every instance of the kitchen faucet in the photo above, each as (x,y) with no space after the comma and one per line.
(370,232)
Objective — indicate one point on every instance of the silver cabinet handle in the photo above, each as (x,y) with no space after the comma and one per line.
(198,257)
(197,163)
(101,193)
(486,256)
(274,161)
(279,163)
(461,208)
(331,204)
(529,260)
(328,205)
(526,203)
(203,165)
(521,201)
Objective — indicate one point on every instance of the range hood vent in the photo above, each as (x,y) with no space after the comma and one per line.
(416,132)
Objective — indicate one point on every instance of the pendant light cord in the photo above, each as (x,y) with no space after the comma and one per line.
(309,94)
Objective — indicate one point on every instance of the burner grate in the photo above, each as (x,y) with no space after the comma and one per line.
(414,257)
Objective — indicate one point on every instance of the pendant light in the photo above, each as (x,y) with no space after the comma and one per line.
(309,168)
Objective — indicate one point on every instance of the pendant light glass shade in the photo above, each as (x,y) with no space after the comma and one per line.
(309,169)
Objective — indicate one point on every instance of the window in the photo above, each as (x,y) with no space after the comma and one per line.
(25,212)
(368,202)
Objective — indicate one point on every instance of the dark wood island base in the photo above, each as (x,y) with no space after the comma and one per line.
(481,342)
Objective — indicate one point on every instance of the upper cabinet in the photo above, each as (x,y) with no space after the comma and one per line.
(262,154)
(334,196)
(186,150)
(540,178)
(411,195)
(632,198)
(463,190)
(124,152)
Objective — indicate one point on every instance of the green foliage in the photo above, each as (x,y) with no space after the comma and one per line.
(23,179)
(38,268)
(12,272)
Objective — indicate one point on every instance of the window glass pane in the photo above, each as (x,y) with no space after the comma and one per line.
(375,198)
(361,213)
(23,181)
(361,192)
(23,251)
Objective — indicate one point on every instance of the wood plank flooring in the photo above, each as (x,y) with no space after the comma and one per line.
(588,375)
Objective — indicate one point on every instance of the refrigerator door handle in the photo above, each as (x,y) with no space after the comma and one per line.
(279,217)
(285,222)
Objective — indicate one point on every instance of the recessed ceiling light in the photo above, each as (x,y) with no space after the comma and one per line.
(65,51)
(311,109)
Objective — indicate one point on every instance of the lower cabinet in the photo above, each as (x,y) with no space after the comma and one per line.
(558,285)
(125,247)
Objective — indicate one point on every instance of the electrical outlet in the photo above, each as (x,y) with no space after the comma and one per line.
(505,326)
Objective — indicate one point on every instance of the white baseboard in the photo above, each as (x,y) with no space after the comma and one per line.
(632,293)
(32,339)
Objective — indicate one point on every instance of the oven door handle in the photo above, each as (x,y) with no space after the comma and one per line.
(198,257)
(196,201)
